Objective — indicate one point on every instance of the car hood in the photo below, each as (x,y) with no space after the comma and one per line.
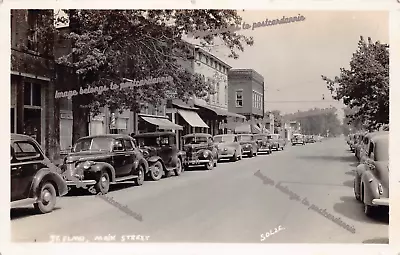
(226,145)
(195,147)
(87,155)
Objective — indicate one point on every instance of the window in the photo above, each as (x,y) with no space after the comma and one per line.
(32,95)
(128,145)
(226,94)
(217,95)
(24,150)
(254,100)
(33,18)
(207,61)
(239,98)
(118,145)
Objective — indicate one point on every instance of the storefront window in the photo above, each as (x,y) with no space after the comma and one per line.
(32,94)
(12,120)
(32,123)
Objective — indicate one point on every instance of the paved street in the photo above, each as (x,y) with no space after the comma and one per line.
(227,204)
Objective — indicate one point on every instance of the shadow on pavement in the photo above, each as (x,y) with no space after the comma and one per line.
(355,164)
(349,183)
(331,158)
(353,209)
(352,173)
(381,240)
(18,213)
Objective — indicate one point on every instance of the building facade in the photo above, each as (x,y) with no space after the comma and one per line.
(33,111)
(246,93)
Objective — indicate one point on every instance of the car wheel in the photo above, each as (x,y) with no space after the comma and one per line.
(141,174)
(156,171)
(216,162)
(251,154)
(103,183)
(178,169)
(47,198)
(358,197)
(210,164)
(235,157)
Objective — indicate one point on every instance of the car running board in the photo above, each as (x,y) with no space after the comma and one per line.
(23,202)
(124,178)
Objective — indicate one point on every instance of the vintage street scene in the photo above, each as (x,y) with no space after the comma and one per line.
(199,126)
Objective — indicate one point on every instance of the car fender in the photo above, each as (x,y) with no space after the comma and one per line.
(99,166)
(139,161)
(153,159)
(360,169)
(370,187)
(44,175)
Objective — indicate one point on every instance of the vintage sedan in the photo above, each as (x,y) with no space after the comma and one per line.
(297,139)
(200,150)
(103,160)
(228,147)
(161,152)
(371,183)
(365,143)
(248,144)
(277,142)
(264,143)
(34,178)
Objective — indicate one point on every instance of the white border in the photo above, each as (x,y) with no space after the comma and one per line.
(176,248)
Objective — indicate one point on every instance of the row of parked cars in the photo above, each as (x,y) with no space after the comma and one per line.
(103,160)
(371,182)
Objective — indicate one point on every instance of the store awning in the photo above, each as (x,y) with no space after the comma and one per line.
(256,129)
(192,118)
(161,123)
(243,128)
(221,112)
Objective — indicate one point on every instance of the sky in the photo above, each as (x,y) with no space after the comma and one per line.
(292,57)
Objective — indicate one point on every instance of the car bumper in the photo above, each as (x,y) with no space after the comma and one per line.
(197,161)
(264,149)
(222,156)
(381,201)
(85,182)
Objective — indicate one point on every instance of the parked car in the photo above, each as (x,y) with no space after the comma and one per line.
(297,139)
(200,150)
(358,145)
(34,178)
(310,139)
(228,147)
(264,143)
(365,143)
(277,142)
(371,183)
(103,160)
(161,152)
(248,144)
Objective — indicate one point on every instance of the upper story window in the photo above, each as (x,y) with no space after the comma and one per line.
(217,95)
(226,95)
(239,98)
(207,61)
(32,94)
(33,24)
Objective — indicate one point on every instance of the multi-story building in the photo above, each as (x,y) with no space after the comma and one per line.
(246,93)
(34,110)
(215,72)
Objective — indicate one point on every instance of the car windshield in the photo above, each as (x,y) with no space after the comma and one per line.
(94,144)
(195,140)
(260,137)
(274,136)
(382,151)
(224,139)
(245,138)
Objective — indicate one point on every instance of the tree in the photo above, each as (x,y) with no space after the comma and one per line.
(365,86)
(110,45)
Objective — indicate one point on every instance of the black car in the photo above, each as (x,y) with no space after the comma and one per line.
(264,143)
(200,149)
(34,179)
(103,160)
(161,152)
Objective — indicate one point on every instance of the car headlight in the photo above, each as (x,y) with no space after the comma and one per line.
(380,189)
(205,154)
(88,164)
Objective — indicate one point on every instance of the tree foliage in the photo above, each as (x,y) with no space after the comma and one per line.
(365,86)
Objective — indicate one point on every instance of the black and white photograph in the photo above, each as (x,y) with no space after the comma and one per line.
(246,126)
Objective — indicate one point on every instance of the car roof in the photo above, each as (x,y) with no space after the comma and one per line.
(380,138)
(372,134)
(198,135)
(115,136)
(20,137)
(151,134)
(225,135)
